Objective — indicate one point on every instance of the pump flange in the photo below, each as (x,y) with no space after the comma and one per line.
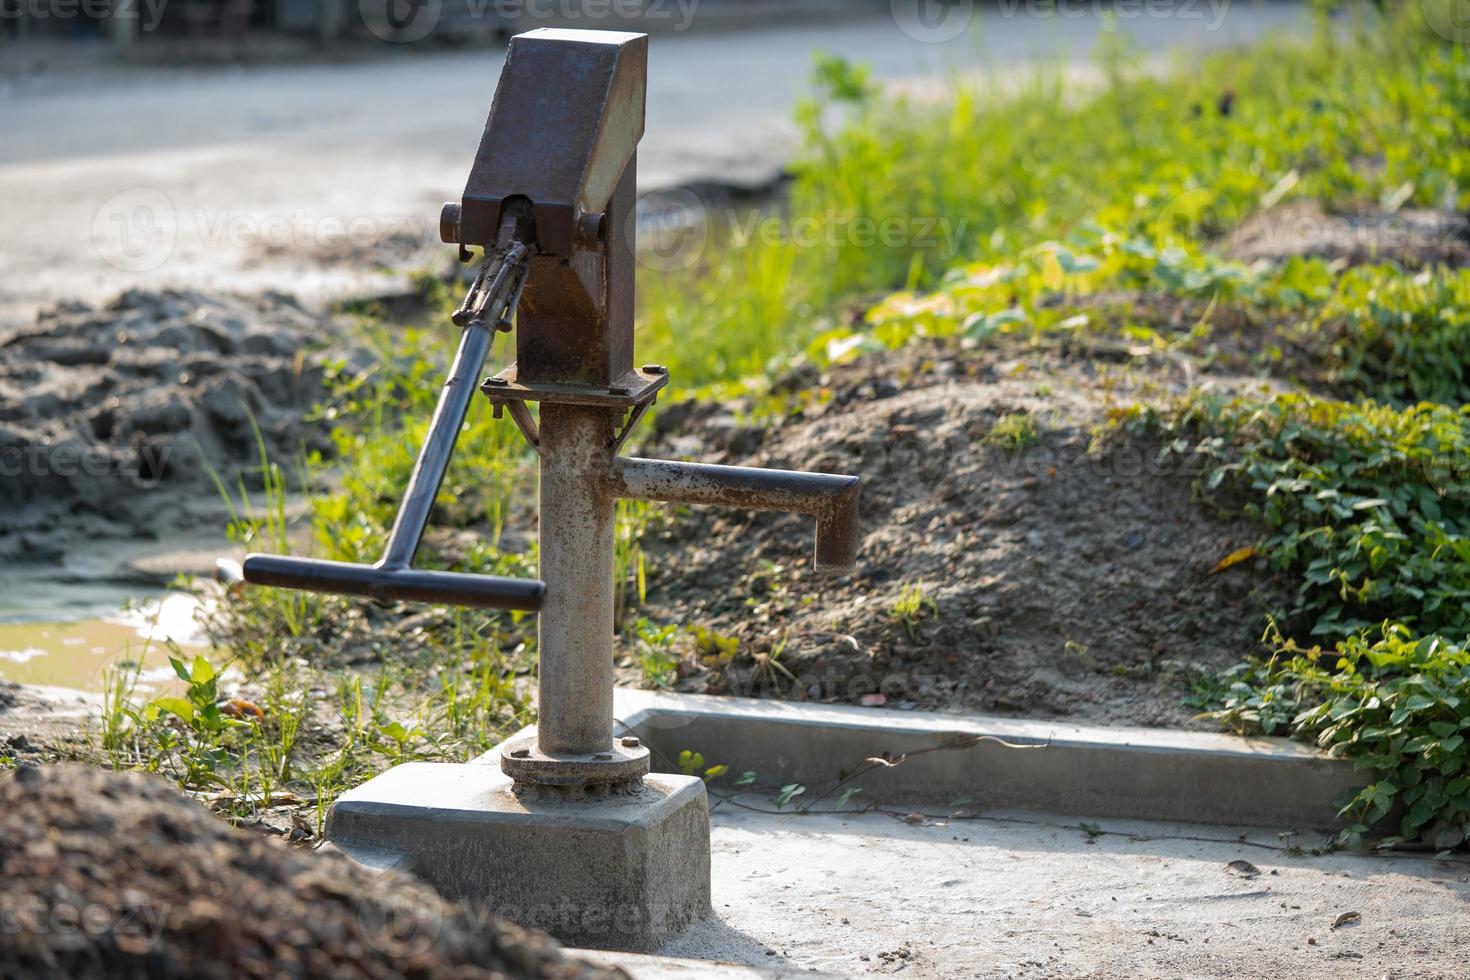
(621,767)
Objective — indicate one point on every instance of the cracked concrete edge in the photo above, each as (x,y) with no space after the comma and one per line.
(979,761)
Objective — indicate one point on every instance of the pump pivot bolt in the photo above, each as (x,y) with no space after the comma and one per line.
(449,220)
(630,741)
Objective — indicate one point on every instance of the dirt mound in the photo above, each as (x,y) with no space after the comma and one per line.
(99,406)
(113,875)
(1008,564)
(1413,238)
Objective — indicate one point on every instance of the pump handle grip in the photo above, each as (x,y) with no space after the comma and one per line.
(379,582)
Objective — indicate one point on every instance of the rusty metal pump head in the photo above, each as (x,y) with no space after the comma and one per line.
(564,125)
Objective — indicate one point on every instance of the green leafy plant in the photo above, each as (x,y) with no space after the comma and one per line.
(788,793)
(714,648)
(657,659)
(1397,705)
(1369,505)
(691,764)
(1013,432)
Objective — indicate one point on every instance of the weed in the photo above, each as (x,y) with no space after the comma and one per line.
(912,606)
(768,666)
(1368,504)
(715,649)
(1013,432)
(657,660)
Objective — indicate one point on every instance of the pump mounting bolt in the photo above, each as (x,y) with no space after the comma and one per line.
(497,381)
(629,741)
(654,369)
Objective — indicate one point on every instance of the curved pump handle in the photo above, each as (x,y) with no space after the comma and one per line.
(392,577)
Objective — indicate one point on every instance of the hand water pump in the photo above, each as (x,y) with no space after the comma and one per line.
(550,199)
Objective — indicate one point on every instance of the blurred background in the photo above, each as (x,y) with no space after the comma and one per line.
(306,145)
(220,214)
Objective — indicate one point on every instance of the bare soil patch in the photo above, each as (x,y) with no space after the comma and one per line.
(1046,573)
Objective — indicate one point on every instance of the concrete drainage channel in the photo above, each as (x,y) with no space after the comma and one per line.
(1001,763)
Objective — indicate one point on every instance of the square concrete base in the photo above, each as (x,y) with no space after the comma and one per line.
(617,872)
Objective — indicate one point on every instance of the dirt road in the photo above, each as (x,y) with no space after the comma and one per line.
(298,177)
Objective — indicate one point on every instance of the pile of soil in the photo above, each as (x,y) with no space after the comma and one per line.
(112,875)
(102,408)
(1056,578)
(1413,237)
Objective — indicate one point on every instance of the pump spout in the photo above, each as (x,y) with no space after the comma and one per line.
(831,499)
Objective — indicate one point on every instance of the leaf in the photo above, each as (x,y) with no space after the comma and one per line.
(180,669)
(203,671)
(178,707)
(788,792)
(714,772)
(1234,558)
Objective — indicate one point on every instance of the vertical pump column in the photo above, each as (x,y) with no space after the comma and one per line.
(576,625)
(572,751)
(562,137)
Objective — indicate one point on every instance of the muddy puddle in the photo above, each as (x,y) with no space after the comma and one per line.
(76,655)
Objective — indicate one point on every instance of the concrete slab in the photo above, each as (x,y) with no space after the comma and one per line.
(998,762)
(622,871)
(1027,895)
